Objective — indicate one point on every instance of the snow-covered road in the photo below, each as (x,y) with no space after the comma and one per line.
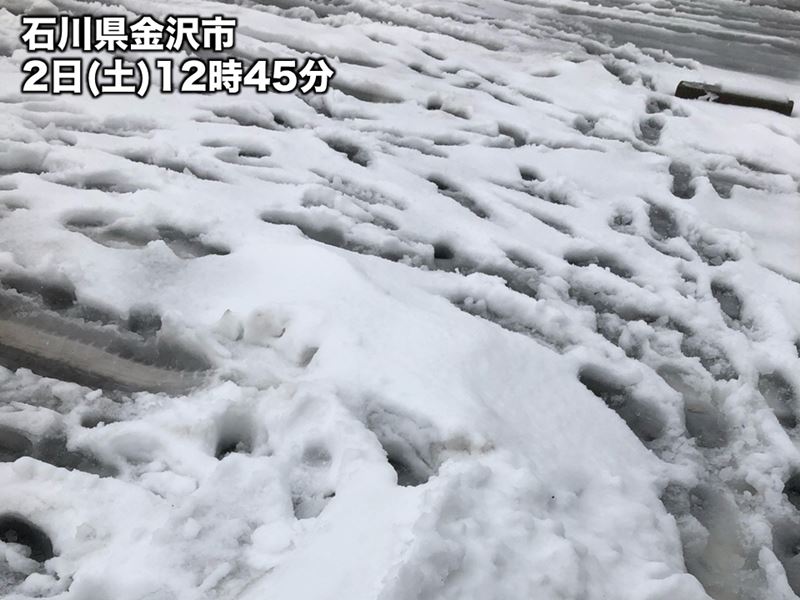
(497,317)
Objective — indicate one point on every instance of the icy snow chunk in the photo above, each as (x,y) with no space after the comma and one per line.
(230,326)
(264,325)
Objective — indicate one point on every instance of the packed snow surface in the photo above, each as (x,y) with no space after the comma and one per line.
(497,317)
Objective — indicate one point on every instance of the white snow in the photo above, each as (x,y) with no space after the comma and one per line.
(497,317)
